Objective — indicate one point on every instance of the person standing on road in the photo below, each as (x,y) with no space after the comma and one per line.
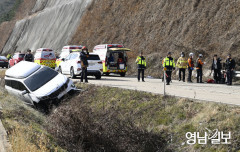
(182,65)
(216,68)
(190,67)
(141,62)
(199,68)
(230,66)
(169,66)
(9,56)
(29,56)
(84,63)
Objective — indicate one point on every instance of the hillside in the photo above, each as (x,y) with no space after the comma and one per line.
(156,27)
(6,6)
(20,11)
(51,25)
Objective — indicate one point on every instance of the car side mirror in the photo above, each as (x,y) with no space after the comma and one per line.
(63,59)
(24,92)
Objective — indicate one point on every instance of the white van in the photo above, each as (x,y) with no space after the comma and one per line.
(34,83)
(66,50)
(114,58)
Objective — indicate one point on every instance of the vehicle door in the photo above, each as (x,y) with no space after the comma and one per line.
(73,61)
(18,89)
(65,64)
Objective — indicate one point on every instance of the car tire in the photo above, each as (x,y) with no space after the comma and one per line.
(60,70)
(122,74)
(72,73)
(98,76)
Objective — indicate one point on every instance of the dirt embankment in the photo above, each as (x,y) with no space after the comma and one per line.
(7,27)
(156,27)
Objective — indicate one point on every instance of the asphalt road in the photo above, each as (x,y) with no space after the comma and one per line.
(204,92)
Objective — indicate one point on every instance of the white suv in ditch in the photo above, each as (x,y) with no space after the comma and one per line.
(71,65)
(34,83)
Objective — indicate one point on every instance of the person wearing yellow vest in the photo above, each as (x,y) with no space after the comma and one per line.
(141,62)
(182,63)
(169,66)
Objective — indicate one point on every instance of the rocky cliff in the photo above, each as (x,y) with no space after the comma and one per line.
(152,26)
(158,26)
(51,25)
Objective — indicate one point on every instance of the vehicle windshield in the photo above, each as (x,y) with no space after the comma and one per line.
(21,55)
(40,78)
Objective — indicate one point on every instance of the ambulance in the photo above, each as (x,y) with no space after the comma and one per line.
(45,56)
(114,58)
(66,50)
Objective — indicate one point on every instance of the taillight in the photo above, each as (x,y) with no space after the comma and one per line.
(100,62)
(78,61)
(101,70)
(106,62)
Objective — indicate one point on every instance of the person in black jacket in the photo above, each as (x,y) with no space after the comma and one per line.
(84,63)
(216,68)
(230,66)
(29,56)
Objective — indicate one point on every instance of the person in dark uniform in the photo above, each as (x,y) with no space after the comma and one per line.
(230,66)
(141,62)
(216,68)
(169,66)
(29,56)
(84,63)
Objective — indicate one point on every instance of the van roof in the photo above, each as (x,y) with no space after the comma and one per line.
(44,49)
(22,70)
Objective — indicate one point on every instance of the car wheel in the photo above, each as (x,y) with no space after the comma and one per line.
(98,76)
(122,74)
(72,73)
(60,70)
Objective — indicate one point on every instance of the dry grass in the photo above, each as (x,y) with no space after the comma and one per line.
(21,142)
(25,126)
(100,111)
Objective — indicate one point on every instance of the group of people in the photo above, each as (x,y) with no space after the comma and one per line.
(28,56)
(184,63)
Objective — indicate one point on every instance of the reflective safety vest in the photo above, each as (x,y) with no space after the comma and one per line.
(141,61)
(182,63)
(169,63)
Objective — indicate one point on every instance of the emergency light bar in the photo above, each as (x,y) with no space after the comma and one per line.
(119,49)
